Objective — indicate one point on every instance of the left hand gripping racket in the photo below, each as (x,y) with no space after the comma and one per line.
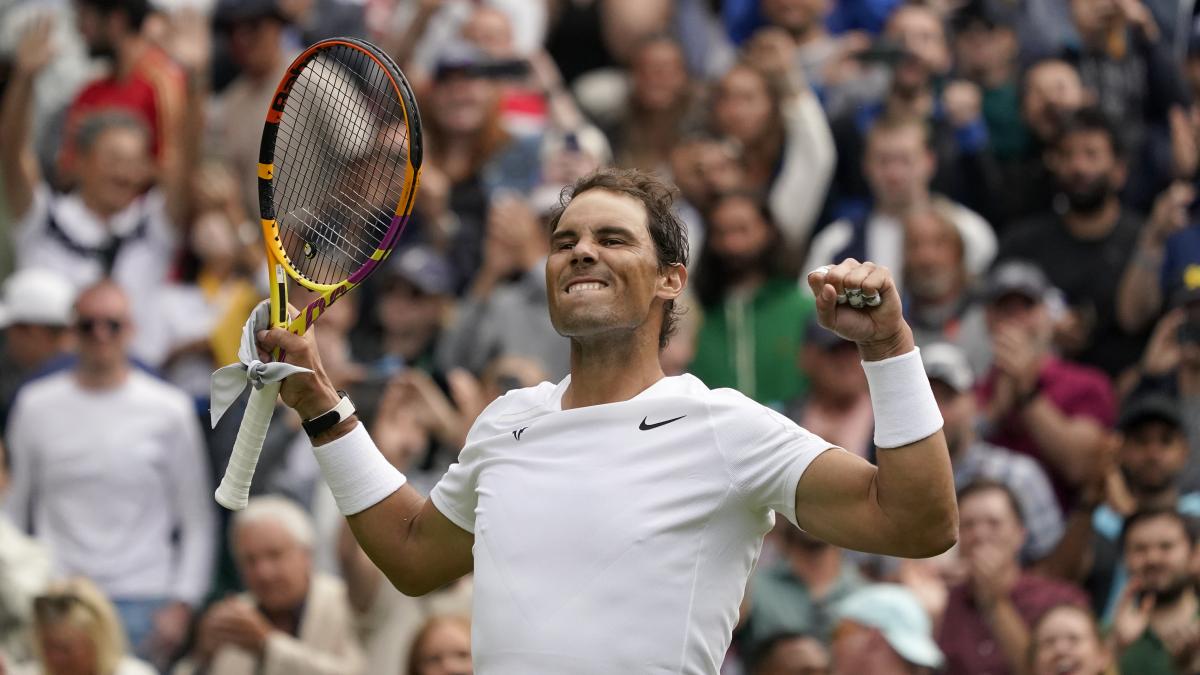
(337,173)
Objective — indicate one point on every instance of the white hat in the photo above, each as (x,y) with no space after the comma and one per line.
(895,612)
(36,296)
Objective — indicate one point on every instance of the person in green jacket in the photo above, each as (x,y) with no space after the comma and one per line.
(754,309)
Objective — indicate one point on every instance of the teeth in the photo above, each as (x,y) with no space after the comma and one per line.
(585,286)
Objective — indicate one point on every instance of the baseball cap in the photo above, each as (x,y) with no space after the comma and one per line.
(819,336)
(947,363)
(424,268)
(1151,405)
(1017,277)
(36,296)
(893,610)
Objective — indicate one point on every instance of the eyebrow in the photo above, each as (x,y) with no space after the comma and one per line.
(603,230)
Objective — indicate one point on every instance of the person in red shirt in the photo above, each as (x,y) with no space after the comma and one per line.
(985,628)
(143,79)
(1033,401)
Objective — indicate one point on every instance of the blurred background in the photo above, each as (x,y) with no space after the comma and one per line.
(1026,168)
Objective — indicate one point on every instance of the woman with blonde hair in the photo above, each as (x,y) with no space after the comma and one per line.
(77,632)
(442,647)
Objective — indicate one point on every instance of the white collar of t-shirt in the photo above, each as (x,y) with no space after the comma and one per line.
(85,228)
(666,386)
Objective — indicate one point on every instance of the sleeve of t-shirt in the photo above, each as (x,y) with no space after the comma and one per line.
(766,452)
(454,495)
(1093,398)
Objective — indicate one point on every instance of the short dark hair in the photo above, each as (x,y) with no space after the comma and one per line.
(94,125)
(1091,119)
(980,485)
(666,228)
(776,640)
(1142,515)
(135,11)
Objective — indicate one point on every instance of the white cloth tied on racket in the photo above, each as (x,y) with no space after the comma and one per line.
(230,381)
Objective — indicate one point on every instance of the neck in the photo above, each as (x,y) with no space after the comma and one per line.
(806,35)
(410,345)
(818,570)
(1095,225)
(901,210)
(127,54)
(101,211)
(996,75)
(99,377)
(916,103)
(1166,498)
(612,368)
(1182,611)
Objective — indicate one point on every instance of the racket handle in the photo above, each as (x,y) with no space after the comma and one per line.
(234,491)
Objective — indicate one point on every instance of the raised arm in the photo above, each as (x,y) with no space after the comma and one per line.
(191,47)
(404,534)
(905,506)
(18,166)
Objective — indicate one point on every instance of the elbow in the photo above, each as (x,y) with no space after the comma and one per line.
(413,588)
(938,534)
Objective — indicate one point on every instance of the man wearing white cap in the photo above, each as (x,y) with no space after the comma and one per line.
(35,307)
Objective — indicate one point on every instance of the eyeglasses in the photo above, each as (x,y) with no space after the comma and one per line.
(88,325)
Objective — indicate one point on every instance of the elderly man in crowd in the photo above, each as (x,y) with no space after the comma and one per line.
(291,620)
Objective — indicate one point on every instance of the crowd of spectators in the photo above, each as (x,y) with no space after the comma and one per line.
(1027,168)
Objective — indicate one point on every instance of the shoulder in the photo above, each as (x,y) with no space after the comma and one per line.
(514,405)
(162,393)
(131,666)
(50,389)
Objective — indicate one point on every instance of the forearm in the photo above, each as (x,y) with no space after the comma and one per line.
(17,164)
(183,165)
(1070,559)
(384,531)
(808,163)
(1139,295)
(1010,631)
(1068,443)
(914,484)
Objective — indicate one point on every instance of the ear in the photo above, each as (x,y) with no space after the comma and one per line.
(672,281)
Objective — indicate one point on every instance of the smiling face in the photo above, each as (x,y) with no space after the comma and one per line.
(603,273)
(1065,642)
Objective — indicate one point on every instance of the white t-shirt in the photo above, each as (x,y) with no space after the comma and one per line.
(618,538)
(141,267)
(106,478)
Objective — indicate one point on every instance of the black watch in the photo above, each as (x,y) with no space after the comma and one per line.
(324,422)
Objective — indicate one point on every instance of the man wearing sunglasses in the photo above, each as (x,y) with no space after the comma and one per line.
(108,463)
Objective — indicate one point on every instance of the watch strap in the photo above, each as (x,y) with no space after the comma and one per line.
(326,421)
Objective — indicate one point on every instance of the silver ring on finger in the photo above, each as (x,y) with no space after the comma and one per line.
(872,300)
(854,297)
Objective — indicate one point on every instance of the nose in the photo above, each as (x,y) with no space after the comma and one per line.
(583,252)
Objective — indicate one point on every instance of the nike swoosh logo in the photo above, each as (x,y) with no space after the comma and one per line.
(647,427)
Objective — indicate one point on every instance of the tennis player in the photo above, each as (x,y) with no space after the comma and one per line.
(612,519)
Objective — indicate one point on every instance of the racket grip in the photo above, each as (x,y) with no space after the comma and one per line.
(234,490)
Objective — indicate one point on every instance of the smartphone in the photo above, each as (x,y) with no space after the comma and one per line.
(1189,330)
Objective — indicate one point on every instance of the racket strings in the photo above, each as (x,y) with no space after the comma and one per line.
(341,164)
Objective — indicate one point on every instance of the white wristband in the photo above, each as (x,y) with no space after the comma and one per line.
(905,409)
(357,473)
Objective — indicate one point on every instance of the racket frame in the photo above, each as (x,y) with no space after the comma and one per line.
(233,492)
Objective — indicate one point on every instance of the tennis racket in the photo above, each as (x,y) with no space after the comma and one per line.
(338,168)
